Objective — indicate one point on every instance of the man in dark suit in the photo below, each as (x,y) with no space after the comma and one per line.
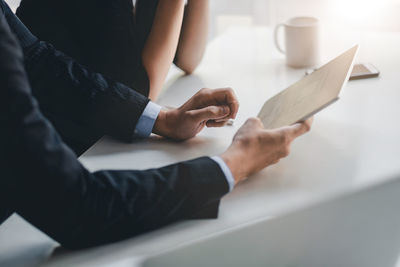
(84,105)
(44,182)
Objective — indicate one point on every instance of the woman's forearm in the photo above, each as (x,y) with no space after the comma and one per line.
(161,45)
(194,34)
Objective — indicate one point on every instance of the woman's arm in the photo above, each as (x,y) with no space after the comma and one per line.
(161,45)
(193,39)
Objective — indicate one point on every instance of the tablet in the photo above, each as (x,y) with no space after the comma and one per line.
(309,95)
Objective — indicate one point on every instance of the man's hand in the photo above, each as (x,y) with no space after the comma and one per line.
(208,107)
(254,148)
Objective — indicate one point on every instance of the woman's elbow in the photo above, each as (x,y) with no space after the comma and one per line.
(188,66)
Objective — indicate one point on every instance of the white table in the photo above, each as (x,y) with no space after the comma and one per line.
(352,144)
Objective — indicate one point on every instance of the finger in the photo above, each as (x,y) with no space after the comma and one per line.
(223,119)
(221,96)
(234,107)
(309,122)
(298,129)
(275,162)
(230,99)
(213,124)
(255,122)
(210,113)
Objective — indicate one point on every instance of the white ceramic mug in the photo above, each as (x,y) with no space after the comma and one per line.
(302,47)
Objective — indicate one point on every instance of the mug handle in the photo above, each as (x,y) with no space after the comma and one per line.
(276,33)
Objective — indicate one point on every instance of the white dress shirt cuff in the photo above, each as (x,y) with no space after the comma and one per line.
(225,169)
(146,122)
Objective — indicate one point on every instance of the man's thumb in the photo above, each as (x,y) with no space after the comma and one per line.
(211,113)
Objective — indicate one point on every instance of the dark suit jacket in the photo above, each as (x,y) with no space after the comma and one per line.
(41,178)
(82,105)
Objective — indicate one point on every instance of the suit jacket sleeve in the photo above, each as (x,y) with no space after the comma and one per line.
(72,96)
(43,181)
(68,92)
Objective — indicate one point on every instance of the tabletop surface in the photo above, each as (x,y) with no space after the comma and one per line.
(353,143)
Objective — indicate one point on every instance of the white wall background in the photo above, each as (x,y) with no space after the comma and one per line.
(382,15)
